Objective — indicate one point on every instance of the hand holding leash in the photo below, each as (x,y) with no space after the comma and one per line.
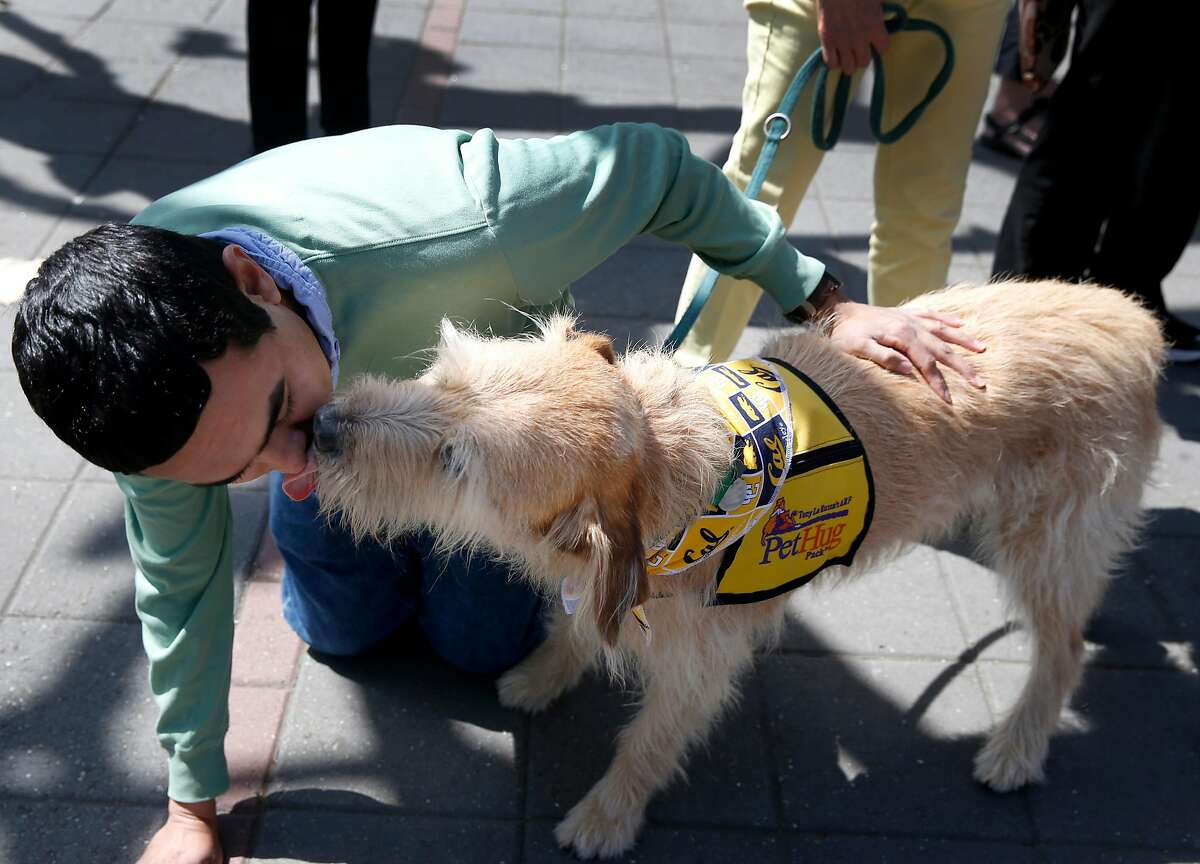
(850,30)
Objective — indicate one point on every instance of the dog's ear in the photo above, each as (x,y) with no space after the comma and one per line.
(601,344)
(621,582)
(605,529)
(564,328)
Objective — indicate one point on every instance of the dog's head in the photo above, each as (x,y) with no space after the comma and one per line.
(532,446)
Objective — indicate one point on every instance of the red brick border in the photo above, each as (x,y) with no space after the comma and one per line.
(422,100)
(266,653)
(266,656)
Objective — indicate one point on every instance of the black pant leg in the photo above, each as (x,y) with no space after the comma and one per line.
(1155,213)
(344,49)
(277,34)
(1066,187)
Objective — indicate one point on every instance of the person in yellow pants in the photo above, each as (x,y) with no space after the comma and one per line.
(919,180)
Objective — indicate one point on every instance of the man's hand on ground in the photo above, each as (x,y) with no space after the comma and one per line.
(188,837)
(903,341)
(848,30)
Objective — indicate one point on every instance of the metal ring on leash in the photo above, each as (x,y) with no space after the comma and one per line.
(778,115)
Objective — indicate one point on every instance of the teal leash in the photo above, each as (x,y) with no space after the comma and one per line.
(779,125)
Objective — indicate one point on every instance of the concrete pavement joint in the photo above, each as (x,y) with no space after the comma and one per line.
(666,40)
(960,616)
(774,781)
(36,552)
(562,54)
(521,751)
(668,825)
(1108,665)
(741,830)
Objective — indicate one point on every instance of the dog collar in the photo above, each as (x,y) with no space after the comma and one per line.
(752,396)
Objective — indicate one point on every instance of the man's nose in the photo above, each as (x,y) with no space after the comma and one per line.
(325,430)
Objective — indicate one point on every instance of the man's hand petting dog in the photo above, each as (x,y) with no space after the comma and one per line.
(188,837)
(904,341)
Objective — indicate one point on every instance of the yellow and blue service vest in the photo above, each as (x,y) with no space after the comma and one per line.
(799,497)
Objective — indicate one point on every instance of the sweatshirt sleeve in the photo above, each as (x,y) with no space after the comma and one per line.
(561,206)
(180,538)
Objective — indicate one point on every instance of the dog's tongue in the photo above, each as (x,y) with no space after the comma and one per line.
(302,484)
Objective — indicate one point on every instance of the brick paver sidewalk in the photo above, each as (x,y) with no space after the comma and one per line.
(853,742)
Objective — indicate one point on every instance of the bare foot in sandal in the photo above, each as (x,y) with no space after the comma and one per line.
(1012,126)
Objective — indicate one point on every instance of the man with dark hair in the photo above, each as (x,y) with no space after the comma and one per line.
(190,350)
(157,298)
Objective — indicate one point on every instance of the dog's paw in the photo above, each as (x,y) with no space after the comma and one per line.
(598,827)
(522,689)
(1006,762)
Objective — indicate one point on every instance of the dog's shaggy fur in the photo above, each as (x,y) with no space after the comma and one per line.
(555,452)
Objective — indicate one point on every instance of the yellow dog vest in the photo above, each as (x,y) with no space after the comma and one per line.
(799,498)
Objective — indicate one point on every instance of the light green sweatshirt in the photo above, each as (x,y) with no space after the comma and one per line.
(404,225)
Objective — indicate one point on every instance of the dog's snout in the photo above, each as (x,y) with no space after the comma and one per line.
(326,424)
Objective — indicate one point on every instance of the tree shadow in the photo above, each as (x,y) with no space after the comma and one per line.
(815,748)
(156,129)
(81,730)
(427,746)
(174,132)
(818,745)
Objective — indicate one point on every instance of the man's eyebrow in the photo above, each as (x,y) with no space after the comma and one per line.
(274,409)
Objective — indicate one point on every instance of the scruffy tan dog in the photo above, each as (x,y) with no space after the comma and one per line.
(557,453)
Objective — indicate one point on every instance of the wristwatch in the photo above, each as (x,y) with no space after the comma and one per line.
(808,310)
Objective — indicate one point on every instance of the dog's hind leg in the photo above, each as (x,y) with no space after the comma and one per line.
(686,684)
(1015,752)
(1057,556)
(554,667)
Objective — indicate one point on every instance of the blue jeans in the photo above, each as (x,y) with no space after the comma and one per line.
(342,598)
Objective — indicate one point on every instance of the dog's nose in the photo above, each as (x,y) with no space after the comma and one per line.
(325,430)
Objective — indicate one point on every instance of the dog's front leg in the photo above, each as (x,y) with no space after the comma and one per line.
(686,684)
(554,667)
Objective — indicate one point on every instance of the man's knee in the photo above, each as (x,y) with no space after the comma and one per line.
(490,662)
(487,648)
(341,616)
(476,613)
(336,644)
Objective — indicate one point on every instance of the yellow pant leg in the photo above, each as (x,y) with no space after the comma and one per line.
(920,180)
(781,36)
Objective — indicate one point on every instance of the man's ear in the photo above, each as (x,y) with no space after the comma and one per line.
(252,280)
